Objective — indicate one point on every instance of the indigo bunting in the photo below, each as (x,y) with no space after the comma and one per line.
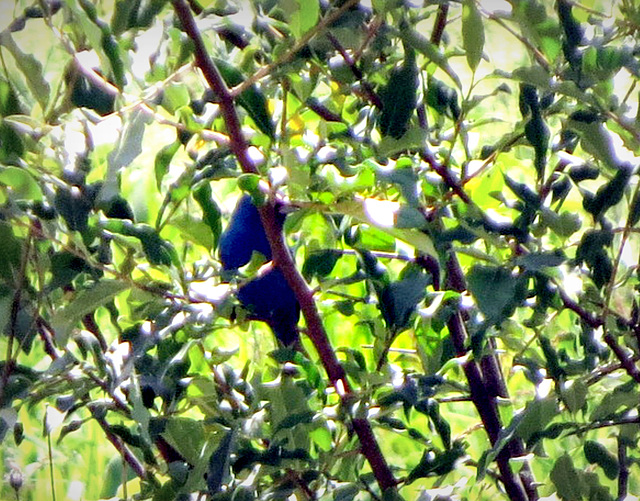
(267,298)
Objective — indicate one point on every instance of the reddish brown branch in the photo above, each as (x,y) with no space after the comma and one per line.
(281,255)
(625,360)
(120,446)
(439,25)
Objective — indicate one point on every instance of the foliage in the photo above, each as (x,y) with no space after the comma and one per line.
(461,197)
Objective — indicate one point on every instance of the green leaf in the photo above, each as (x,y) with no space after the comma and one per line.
(85,302)
(11,252)
(399,97)
(194,230)
(9,104)
(163,161)
(472,33)
(128,148)
(496,290)
(112,477)
(610,193)
(157,250)
(346,492)
(566,478)
(23,185)
(575,396)
(398,300)
(304,17)
(320,263)
(537,414)
(30,67)
(187,436)
(413,138)
(65,266)
(252,99)
(538,261)
(623,396)
(175,96)
(563,225)
(439,463)
(432,52)
(597,453)
(210,211)
(595,139)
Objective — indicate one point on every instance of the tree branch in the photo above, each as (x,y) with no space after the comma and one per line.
(282,258)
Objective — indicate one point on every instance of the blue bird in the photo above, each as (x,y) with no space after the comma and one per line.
(267,298)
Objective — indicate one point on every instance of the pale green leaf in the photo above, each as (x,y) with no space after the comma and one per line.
(472,33)
(30,67)
(85,302)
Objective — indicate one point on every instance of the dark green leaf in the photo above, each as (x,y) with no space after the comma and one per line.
(399,97)
(567,480)
(553,365)
(9,104)
(497,291)
(537,133)
(399,299)
(572,30)
(74,204)
(523,192)
(634,210)
(597,453)
(438,463)
(219,463)
(157,249)
(320,263)
(11,145)
(292,420)
(583,172)
(609,194)
(11,252)
(210,211)
(538,261)
(65,266)
(252,99)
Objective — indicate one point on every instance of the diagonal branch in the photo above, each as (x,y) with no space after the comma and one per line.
(281,255)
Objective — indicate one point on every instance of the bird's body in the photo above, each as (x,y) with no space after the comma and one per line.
(267,298)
